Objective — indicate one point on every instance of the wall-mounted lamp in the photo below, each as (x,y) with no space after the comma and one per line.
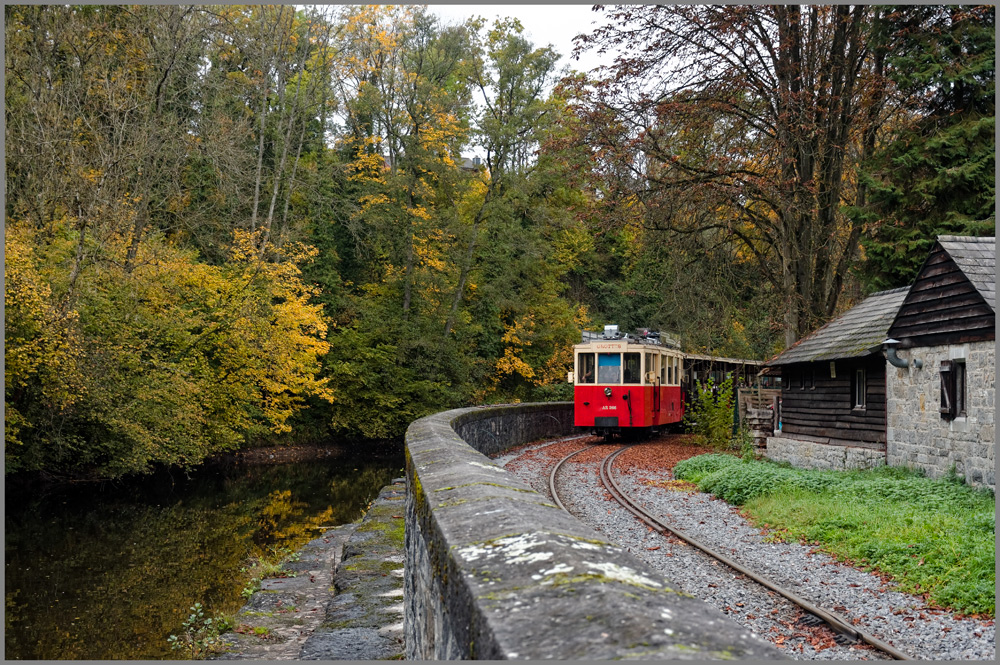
(889,348)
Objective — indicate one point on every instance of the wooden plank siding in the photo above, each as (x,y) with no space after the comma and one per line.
(827,408)
(943,307)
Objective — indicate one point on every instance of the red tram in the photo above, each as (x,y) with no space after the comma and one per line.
(636,385)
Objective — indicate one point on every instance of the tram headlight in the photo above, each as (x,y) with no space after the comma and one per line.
(607,392)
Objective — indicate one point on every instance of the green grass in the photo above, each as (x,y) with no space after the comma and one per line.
(933,537)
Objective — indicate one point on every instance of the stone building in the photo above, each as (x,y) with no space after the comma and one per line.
(940,390)
(833,404)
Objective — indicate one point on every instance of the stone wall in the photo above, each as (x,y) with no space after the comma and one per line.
(495,570)
(918,437)
(812,454)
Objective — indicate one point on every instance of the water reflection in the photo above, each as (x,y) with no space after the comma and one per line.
(110,572)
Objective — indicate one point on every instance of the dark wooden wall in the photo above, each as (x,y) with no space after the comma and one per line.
(943,307)
(826,409)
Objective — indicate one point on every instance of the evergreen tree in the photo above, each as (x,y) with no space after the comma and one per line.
(937,175)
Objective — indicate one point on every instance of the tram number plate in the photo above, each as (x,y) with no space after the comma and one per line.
(606,421)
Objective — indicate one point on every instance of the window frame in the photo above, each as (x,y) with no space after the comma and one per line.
(580,370)
(960,387)
(954,393)
(638,370)
(859,389)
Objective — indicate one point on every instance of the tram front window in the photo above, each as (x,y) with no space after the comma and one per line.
(585,368)
(632,372)
(609,367)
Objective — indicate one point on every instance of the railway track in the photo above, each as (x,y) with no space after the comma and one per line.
(846,633)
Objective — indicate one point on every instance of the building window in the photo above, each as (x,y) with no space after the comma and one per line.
(807,377)
(952,388)
(860,389)
(959,387)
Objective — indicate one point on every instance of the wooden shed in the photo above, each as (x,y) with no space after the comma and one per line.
(833,399)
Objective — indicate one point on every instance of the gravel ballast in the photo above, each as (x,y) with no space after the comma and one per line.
(862,598)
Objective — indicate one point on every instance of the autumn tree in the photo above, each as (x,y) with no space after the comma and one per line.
(403,132)
(520,235)
(124,347)
(99,100)
(745,122)
(511,77)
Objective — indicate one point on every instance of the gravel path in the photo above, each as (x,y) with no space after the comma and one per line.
(863,598)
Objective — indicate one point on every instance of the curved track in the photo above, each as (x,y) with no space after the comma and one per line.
(837,624)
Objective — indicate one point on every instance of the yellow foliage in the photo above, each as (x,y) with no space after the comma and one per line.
(561,359)
(510,364)
(42,350)
(518,333)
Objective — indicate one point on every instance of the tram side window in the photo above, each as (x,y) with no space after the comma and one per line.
(664,366)
(609,367)
(649,365)
(585,368)
(670,373)
(632,373)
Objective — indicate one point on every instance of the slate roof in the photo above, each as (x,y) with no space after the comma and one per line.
(858,332)
(977,259)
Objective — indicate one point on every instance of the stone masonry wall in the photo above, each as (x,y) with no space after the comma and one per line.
(918,437)
(494,570)
(814,455)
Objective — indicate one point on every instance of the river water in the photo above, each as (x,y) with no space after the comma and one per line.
(110,571)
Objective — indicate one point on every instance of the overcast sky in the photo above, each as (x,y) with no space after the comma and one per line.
(554,25)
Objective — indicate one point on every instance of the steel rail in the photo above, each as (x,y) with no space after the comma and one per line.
(552,477)
(835,622)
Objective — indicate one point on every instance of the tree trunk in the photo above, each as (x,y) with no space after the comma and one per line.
(466,266)
(287,140)
(263,115)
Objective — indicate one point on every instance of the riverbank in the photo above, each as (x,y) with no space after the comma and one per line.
(342,598)
(125,560)
(277,454)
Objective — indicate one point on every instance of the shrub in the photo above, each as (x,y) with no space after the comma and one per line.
(694,469)
(710,414)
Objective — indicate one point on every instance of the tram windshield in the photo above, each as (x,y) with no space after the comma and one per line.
(609,367)
(585,368)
